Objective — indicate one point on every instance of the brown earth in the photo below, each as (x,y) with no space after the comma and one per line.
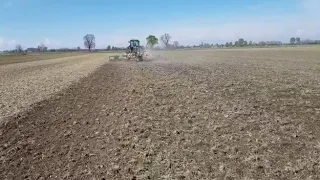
(232,115)
(23,84)
(22,58)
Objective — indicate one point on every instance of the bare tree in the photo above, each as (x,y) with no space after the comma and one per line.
(298,41)
(89,41)
(19,48)
(165,39)
(176,44)
(292,40)
(41,48)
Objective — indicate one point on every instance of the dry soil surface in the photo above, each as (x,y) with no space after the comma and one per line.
(24,84)
(22,58)
(232,115)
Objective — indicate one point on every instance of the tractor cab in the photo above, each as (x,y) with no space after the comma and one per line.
(134,46)
(134,43)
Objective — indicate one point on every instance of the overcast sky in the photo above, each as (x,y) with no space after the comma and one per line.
(61,23)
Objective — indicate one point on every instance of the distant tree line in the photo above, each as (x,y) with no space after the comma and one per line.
(298,41)
(19,49)
(165,40)
(244,43)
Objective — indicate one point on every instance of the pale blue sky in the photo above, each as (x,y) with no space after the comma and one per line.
(62,23)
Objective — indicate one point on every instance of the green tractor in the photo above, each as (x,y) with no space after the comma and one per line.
(133,52)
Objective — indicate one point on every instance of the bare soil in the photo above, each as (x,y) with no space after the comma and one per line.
(22,58)
(199,115)
(24,84)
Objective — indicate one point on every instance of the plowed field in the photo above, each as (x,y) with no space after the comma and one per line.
(207,114)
